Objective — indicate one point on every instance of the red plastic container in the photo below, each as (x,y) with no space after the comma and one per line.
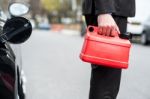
(105,51)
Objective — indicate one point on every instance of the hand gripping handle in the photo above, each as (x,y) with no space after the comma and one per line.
(95,29)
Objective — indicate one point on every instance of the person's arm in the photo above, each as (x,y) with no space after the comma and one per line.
(104,8)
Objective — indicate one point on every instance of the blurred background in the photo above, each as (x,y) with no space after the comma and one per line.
(50,58)
(47,14)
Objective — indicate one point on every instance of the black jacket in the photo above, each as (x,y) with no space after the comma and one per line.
(116,7)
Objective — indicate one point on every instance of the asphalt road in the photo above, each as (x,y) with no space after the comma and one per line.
(54,71)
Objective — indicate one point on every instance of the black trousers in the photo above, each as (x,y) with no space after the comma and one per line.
(105,81)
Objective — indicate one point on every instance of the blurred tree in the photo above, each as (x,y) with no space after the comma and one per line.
(35,7)
(56,9)
(4,4)
(51,5)
(79,2)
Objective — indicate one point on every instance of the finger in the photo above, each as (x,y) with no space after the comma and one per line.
(114,32)
(100,30)
(108,31)
(117,28)
(104,29)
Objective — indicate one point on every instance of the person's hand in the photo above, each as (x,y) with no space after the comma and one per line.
(107,25)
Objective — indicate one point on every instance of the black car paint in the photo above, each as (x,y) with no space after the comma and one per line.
(11,81)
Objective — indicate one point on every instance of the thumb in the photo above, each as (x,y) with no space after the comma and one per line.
(117,29)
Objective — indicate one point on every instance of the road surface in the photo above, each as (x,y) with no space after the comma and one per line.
(54,71)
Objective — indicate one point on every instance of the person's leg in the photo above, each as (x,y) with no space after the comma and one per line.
(105,81)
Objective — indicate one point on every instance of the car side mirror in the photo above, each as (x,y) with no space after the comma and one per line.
(16,30)
(18,9)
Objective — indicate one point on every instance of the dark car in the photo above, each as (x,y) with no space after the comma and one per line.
(14,30)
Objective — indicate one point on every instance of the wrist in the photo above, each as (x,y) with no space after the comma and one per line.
(106,14)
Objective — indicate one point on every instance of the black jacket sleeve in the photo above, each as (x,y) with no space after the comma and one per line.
(116,7)
(104,6)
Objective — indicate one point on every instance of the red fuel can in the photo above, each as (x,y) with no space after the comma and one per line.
(105,51)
